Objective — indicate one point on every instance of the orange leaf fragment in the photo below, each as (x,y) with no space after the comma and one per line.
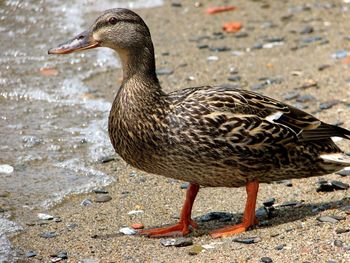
(137,226)
(232,27)
(49,71)
(219,9)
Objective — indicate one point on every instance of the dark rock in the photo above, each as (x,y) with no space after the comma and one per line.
(107,159)
(339,218)
(202,46)
(241,35)
(176,3)
(266,260)
(328,104)
(310,40)
(280,247)
(291,203)
(291,95)
(285,182)
(62,254)
(327,219)
(234,78)
(262,212)
(247,240)
(323,67)
(30,254)
(221,216)
(346,209)
(100,191)
(164,71)
(48,234)
(307,30)
(269,202)
(339,185)
(325,187)
(219,49)
(274,39)
(338,243)
(102,198)
(342,230)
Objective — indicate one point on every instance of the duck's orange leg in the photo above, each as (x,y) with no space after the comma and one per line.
(249,217)
(182,227)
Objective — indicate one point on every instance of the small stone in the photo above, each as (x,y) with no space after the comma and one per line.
(221,216)
(327,219)
(342,230)
(86,202)
(305,98)
(338,243)
(57,219)
(290,203)
(346,209)
(100,191)
(285,182)
(307,30)
(291,95)
(107,159)
(164,71)
(62,255)
(340,54)
(257,46)
(280,247)
(127,231)
(323,67)
(195,250)
(261,212)
(176,3)
(344,172)
(328,104)
(234,78)
(258,86)
(325,187)
(247,240)
(219,49)
(241,34)
(339,185)
(135,212)
(183,242)
(102,198)
(6,169)
(70,227)
(184,185)
(43,216)
(137,226)
(266,260)
(212,58)
(30,254)
(269,202)
(48,234)
(202,46)
(313,39)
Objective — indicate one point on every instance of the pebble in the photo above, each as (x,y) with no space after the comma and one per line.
(202,46)
(338,243)
(212,58)
(30,254)
(325,187)
(327,219)
(285,182)
(43,216)
(6,169)
(305,98)
(323,67)
(342,230)
(127,231)
(184,185)
(344,172)
(338,185)
(102,198)
(234,78)
(164,71)
(307,30)
(100,191)
(195,250)
(328,104)
(247,240)
(290,203)
(272,44)
(266,260)
(177,242)
(107,159)
(241,34)
(261,212)
(176,3)
(219,49)
(137,226)
(340,54)
(86,202)
(291,95)
(135,212)
(62,255)
(221,216)
(280,247)
(71,226)
(312,39)
(269,202)
(49,234)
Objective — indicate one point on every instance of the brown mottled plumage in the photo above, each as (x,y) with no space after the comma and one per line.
(208,136)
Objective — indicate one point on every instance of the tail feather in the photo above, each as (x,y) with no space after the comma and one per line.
(324,131)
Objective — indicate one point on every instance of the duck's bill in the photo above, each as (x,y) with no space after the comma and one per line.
(80,42)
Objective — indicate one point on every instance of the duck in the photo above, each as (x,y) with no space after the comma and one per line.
(208,136)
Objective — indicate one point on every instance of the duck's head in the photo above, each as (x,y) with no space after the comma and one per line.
(119,29)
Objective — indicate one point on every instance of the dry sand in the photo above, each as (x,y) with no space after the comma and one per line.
(96,235)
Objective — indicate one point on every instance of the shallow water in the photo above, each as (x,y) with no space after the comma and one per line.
(53,126)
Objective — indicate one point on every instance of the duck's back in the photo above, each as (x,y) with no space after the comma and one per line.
(215,136)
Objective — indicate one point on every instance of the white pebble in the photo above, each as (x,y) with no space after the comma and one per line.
(127,231)
(212,58)
(135,212)
(6,169)
(43,216)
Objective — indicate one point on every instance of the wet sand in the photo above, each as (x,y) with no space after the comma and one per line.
(92,232)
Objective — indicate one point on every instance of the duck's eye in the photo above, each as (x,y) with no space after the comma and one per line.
(112,20)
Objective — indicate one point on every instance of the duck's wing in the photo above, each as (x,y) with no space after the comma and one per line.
(250,106)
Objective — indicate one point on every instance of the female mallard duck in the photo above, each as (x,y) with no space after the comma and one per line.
(208,136)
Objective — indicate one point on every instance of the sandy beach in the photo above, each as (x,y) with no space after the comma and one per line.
(288,50)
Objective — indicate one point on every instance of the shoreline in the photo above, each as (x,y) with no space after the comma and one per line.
(92,232)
